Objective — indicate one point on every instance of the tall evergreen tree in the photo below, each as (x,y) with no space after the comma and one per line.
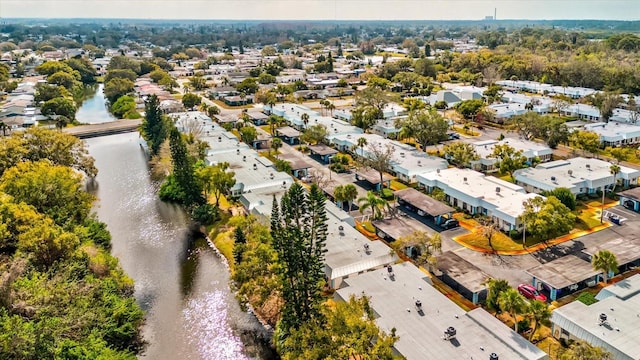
(299,232)
(154,126)
(183,170)
(239,245)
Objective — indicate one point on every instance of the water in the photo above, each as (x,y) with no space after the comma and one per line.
(94,109)
(179,280)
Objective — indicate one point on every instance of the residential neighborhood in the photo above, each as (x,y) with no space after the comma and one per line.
(456,213)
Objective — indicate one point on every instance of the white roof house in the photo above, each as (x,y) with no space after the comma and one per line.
(530,149)
(613,323)
(615,133)
(582,111)
(580,175)
(541,104)
(292,113)
(479,194)
(421,332)
(506,111)
(541,88)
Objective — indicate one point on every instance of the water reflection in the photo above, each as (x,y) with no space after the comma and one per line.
(94,108)
(179,280)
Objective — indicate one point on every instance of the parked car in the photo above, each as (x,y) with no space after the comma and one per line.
(453,136)
(530,292)
(450,224)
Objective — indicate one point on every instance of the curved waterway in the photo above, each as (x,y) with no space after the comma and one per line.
(179,280)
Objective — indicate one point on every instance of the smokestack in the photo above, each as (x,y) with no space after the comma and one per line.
(495,13)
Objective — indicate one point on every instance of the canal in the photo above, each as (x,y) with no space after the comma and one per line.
(94,108)
(179,281)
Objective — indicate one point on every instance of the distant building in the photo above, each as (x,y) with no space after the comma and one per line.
(532,150)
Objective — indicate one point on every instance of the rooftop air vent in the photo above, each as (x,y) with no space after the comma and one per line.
(271,175)
(603,318)
(450,333)
(588,166)
(464,179)
(553,178)
(438,171)
(219,138)
(493,356)
(341,230)
(418,305)
(390,271)
(401,154)
(238,153)
(570,172)
(255,166)
(419,163)
(497,189)
(284,183)
(366,248)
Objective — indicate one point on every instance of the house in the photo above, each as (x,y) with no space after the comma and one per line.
(580,175)
(428,324)
(237,100)
(533,151)
(612,323)
(615,134)
(547,89)
(582,112)
(463,277)
(477,193)
(541,104)
(563,276)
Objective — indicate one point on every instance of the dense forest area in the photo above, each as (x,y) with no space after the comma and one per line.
(62,294)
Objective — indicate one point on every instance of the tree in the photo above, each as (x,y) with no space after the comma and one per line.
(59,107)
(586,141)
(427,127)
(314,134)
(460,154)
(52,67)
(605,261)
(513,303)
(539,312)
(117,87)
(53,190)
(349,332)
(349,194)
(509,160)
(469,108)
(379,158)
(216,180)
(239,244)
(532,125)
(247,86)
(268,51)
(582,350)
(197,83)
(154,126)
(619,153)
(266,78)
(248,134)
(614,169)
(607,104)
(276,144)
(362,142)
(46,92)
(495,287)
(547,218)
(373,202)
(124,106)
(191,100)
(338,195)
(565,196)
(120,73)
(183,171)
(421,247)
(299,231)
(63,79)
(364,117)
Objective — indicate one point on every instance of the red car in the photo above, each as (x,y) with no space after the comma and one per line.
(530,292)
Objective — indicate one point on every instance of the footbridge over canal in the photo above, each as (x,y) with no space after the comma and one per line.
(104,129)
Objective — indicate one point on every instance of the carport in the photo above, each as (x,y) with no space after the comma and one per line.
(299,167)
(289,134)
(563,276)
(424,204)
(630,199)
(463,277)
(393,228)
(323,151)
(373,177)
(625,250)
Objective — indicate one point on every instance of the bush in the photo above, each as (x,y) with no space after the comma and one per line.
(524,325)
(386,194)
(170,191)
(514,234)
(205,214)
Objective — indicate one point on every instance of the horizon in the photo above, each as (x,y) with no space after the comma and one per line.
(322,10)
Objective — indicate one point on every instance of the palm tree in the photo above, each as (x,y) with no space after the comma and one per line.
(513,303)
(494,288)
(539,313)
(605,261)
(273,121)
(276,143)
(3,127)
(614,170)
(373,202)
(350,193)
(331,107)
(361,143)
(305,119)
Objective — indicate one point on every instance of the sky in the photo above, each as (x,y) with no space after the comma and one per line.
(323,9)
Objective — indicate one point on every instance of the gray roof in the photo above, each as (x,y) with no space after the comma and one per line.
(288,131)
(424,202)
(564,271)
(631,193)
(322,149)
(462,271)
(400,226)
(626,250)
(623,289)
(621,334)
(372,176)
(296,162)
(421,335)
